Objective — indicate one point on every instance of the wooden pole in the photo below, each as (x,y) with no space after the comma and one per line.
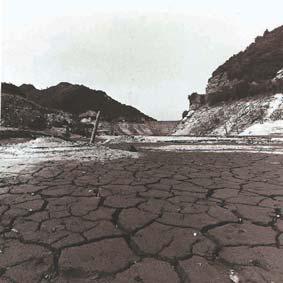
(95,126)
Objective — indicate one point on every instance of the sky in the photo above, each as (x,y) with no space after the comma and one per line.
(148,54)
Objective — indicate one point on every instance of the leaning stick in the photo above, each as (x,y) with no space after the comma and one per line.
(94,130)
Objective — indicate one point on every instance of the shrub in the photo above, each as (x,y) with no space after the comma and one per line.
(185,113)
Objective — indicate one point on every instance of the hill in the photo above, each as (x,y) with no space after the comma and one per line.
(244,95)
(250,72)
(260,61)
(77,99)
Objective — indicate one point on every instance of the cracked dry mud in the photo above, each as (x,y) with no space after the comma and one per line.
(165,217)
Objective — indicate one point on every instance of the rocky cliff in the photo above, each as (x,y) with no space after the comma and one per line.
(251,71)
(248,116)
(243,92)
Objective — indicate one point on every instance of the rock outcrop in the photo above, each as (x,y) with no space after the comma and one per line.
(244,91)
(196,100)
(257,65)
(220,83)
(235,117)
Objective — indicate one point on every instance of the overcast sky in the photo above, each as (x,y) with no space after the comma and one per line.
(149,54)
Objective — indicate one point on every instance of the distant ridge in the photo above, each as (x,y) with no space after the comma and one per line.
(77,99)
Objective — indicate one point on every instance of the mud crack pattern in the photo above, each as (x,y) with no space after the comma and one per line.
(165,217)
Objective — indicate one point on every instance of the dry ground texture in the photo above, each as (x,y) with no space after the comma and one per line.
(158,217)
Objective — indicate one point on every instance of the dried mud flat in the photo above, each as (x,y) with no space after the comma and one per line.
(163,217)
